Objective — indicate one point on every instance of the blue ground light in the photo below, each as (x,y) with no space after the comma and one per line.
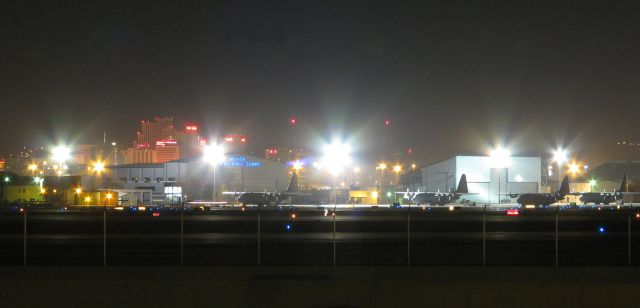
(601,230)
(287,227)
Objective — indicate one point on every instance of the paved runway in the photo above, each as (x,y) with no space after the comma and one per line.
(304,236)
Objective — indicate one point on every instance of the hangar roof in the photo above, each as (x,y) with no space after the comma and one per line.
(614,170)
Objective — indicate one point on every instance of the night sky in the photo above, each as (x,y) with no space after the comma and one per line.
(453,76)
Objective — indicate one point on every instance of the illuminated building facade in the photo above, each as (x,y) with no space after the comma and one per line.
(166,150)
(486,180)
(138,155)
(150,132)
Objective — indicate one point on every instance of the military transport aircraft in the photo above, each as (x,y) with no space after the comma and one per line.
(607,197)
(438,198)
(544,199)
(268,198)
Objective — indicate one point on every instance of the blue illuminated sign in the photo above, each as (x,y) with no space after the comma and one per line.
(241,161)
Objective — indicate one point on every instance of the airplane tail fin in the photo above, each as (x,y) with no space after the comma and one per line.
(293,184)
(462,186)
(624,185)
(564,187)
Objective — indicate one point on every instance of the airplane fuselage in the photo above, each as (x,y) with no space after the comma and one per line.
(254,198)
(539,199)
(434,198)
(598,198)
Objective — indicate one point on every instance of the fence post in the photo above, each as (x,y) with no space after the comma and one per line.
(104,236)
(557,210)
(335,205)
(409,235)
(259,233)
(182,235)
(24,238)
(629,240)
(484,236)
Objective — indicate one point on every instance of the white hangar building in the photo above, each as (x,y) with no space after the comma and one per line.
(486,177)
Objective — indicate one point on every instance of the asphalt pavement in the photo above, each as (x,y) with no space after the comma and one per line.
(299,235)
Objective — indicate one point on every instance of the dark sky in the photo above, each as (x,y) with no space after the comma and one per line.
(454,76)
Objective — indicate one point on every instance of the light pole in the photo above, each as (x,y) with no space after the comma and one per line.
(77,193)
(61,154)
(397,169)
(592,183)
(381,166)
(337,156)
(213,154)
(6,182)
(560,157)
(354,181)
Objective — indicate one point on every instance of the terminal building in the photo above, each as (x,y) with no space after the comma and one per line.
(193,179)
(488,181)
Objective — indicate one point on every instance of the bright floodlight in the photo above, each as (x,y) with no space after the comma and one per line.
(297,165)
(593,182)
(60,153)
(397,168)
(213,154)
(98,166)
(337,156)
(560,156)
(574,168)
(500,157)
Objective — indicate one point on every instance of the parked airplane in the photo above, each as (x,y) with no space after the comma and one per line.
(438,198)
(606,197)
(539,199)
(268,198)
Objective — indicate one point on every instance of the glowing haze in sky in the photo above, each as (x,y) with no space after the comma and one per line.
(450,76)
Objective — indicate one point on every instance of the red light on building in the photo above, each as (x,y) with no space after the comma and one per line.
(191,128)
(228,139)
(387,122)
(409,151)
(293,121)
(243,139)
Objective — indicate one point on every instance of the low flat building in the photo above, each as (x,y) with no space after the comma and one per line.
(194,178)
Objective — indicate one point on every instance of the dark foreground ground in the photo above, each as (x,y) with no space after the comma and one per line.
(318,287)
